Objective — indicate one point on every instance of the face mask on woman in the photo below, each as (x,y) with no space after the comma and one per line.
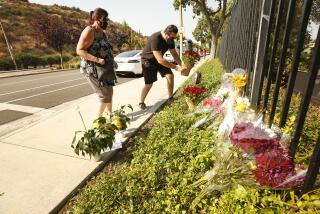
(103,25)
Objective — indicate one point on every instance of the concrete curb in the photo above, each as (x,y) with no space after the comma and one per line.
(32,73)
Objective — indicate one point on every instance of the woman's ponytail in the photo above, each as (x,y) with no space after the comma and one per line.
(91,18)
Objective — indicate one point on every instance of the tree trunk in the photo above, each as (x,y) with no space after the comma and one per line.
(61,59)
(213,46)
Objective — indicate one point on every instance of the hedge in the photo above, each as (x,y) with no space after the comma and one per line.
(169,157)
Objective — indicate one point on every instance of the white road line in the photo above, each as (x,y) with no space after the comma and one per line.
(22,108)
(12,83)
(24,98)
(28,89)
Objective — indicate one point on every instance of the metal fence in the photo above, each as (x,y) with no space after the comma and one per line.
(257,39)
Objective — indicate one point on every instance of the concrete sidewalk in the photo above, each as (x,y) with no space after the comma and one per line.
(38,168)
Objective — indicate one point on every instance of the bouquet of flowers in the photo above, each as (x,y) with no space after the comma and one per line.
(242,104)
(189,59)
(193,93)
(250,138)
(275,168)
(213,102)
(239,81)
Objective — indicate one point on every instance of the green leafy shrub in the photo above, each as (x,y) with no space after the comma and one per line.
(24,60)
(6,64)
(168,159)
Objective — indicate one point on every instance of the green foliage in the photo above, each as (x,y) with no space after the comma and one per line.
(74,62)
(166,162)
(52,59)
(24,60)
(94,141)
(119,117)
(6,64)
(201,32)
(189,60)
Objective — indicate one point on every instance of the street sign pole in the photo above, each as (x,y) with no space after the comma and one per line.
(181,30)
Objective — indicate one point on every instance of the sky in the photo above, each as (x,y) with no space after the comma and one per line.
(146,16)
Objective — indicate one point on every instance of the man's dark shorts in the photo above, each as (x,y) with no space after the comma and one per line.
(150,71)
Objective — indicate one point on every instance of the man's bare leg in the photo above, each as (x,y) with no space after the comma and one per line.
(170,84)
(145,92)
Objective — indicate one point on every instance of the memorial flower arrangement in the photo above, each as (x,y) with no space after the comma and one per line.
(239,81)
(189,58)
(94,141)
(242,104)
(101,136)
(119,117)
(193,94)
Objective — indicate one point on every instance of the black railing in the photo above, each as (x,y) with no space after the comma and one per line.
(252,41)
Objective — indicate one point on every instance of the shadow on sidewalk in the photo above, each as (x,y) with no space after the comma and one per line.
(150,109)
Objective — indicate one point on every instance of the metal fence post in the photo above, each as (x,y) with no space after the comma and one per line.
(307,96)
(261,46)
(296,60)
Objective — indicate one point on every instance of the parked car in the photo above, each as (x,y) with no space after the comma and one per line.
(129,62)
(167,56)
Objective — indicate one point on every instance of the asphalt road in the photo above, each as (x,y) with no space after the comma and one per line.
(19,95)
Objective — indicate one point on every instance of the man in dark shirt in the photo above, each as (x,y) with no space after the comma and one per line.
(153,62)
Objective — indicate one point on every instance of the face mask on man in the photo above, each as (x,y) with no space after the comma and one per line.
(170,39)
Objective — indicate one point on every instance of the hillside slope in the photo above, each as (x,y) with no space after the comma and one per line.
(17,17)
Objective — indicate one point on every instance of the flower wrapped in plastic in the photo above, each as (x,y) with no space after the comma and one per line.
(242,104)
(243,112)
(229,120)
(213,102)
(250,138)
(239,81)
(275,168)
(215,116)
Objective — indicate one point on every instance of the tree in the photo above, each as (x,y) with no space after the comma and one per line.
(116,36)
(57,32)
(201,32)
(201,7)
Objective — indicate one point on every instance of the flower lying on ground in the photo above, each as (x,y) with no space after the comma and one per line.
(274,167)
(250,138)
(212,102)
(242,104)
(239,81)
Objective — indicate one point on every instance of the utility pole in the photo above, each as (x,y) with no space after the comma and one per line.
(181,29)
(9,47)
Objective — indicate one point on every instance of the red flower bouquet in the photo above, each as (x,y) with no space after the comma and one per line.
(189,58)
(275,167)
(194,92)
(250,138)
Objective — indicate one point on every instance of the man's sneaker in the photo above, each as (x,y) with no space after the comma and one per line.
(142,106)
